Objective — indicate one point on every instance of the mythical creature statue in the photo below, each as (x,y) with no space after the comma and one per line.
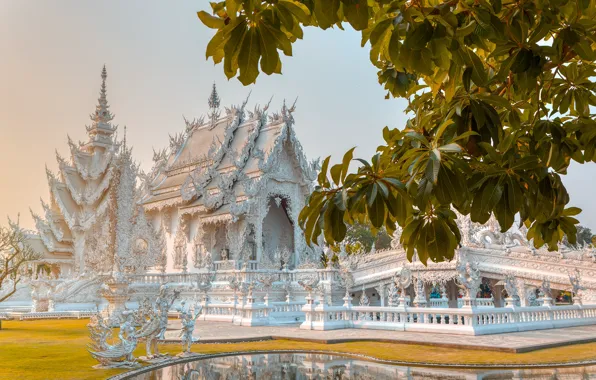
(420,299)
(393,294)
(121,354)
(364,301)
(403,279)
(153,320)
(163,303)
(510,284)
(208,261)
(468,277)
(189,319)
(545,290)
(309,283)
(99,332)
(225,255)
(576,286)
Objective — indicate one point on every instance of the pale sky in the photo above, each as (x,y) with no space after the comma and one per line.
(53,51)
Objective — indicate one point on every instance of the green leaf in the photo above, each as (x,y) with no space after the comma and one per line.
(419,36)
(336,173)
(248,57)
(466,78)
(572,211)
(269,55)
(211,21)
(346,163)
(376,212)
(232,46)
(356,13)
(479,74)
(433,166)
(327,13)
(299,10)
(322,178)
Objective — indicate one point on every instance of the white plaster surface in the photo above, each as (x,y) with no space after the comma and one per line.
(209,331)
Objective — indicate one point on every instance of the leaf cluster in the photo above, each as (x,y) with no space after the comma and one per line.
(499,97)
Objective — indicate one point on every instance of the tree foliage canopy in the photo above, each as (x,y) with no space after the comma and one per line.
(499,95)
(14,253)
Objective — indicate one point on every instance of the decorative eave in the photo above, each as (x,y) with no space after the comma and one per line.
(91,193)
(217,152)
(162,204)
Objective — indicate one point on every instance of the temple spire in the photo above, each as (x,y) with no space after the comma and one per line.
(214,102)
(214,99)
(101,129)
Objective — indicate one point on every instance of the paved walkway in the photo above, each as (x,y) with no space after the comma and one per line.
(214,332)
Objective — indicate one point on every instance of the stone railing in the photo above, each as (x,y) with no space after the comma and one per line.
(438,302)
(222,312)
(466,321)
(276,312)
(243,275)
(287,307)
(480,302)
(47,315)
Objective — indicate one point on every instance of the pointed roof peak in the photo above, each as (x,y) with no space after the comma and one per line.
(101,129)
(214,100)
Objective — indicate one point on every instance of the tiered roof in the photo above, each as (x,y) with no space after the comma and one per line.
(214,165)
(78,192)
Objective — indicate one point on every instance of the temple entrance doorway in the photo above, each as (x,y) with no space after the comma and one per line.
(278,231)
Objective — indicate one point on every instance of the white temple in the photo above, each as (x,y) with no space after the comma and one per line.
(217,219)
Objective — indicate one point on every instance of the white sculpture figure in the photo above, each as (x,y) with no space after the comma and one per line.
(546,293)
(443,289)
(511,289)
(420,299)
(163,303)
(150,329)
(393,295)
(120,355)
(364,301)
(99,332)
(266,281)
(208,261)
(224,254)
(468,279)
(309,283)
(403,280)
(189,319)
(576,287)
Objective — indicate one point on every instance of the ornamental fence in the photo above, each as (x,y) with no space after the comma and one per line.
(243,275)
(47,315)
(466,321)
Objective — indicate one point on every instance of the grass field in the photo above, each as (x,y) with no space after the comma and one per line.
(56,349)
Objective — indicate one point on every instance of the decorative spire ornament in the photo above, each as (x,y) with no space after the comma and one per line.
(101,130)
(214,102)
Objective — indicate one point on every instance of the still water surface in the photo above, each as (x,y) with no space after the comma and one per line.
(321,366)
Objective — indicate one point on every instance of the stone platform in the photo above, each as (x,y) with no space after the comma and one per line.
(519,342)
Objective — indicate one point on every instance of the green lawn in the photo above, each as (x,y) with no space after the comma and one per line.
(56,349)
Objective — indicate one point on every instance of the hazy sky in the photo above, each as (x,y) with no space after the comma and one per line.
(53,51)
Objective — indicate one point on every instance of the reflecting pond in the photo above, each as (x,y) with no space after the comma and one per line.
(323,366)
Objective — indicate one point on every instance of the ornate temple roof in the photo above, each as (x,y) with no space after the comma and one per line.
(219,158)
(79,190)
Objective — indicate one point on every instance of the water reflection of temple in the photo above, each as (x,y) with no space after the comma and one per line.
(302,366)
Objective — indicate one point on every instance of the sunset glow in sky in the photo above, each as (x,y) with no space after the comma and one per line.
(53,52)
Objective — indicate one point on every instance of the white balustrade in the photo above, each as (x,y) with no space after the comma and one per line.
(47,315)
(439,302)
(480,302)
(468,321)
